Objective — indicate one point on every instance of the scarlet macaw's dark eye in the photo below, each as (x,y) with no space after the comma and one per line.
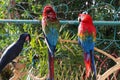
(85,12)
(48,10)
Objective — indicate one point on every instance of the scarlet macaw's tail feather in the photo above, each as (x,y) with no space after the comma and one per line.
(87,62)
(51,67)
(93,63)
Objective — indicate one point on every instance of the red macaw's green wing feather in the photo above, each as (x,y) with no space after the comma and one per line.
(51,33)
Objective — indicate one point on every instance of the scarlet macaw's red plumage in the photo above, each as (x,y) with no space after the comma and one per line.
(87,38)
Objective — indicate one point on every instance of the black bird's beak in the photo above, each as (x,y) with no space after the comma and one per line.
(28,39)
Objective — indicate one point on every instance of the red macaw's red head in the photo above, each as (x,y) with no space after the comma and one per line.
(85,18)
(49,12)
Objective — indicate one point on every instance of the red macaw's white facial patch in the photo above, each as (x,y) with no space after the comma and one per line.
(52,14)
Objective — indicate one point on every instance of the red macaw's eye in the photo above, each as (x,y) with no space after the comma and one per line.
(48,11)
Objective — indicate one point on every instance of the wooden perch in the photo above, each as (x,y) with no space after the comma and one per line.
(109,71)
(68,41)
(105,53)
(36,78)
(17,71)
(33,77)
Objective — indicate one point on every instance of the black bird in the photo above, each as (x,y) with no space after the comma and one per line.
(13,50)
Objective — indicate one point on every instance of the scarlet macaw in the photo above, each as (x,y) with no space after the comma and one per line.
(87,38)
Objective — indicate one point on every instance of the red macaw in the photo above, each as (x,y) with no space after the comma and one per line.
(87,38)
(50,27)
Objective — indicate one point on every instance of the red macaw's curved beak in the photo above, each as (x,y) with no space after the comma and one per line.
(79,19)
(51,16)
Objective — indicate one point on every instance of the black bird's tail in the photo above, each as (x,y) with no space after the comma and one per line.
(2,65)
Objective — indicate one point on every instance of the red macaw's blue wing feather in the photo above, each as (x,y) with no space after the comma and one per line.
(87,43)
(51,33)
(93,62)
(88,47)
(51,40)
